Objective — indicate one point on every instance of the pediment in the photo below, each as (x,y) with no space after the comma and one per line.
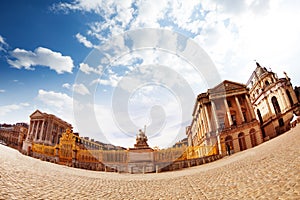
(228,87)
(36,114)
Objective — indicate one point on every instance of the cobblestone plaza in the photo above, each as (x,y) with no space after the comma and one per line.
(268,171)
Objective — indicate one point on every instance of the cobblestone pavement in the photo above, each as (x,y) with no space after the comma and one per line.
(268,171)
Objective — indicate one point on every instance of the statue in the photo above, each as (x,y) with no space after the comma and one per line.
(141,139)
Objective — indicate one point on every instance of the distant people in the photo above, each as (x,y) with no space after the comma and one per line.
(293,121)
(228,149)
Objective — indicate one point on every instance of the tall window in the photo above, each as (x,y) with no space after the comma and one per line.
(229,103)
(228,141)
(259,116)
(267,83)
(245,116)
(253,137)
(242,141)
(233,117)
(276,105)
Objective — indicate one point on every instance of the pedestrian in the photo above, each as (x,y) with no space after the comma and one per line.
(228,149)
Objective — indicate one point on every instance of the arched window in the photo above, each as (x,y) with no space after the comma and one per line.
(229,144)
(290,97)
(253,137)
(259,116)
(242,141)
(267,83)
(276,105)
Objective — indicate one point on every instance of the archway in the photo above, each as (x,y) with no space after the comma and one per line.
(242,141)
(276,105)
(259,116)
(229,144)
(253,137)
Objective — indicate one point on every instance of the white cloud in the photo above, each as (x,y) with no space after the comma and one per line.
(87,69)
(55,99)
(2,91)
(80,89)
(233,33)
(84,41)
(41,57)
(57,103)
(4,110)
(77,88)
(112,80)
(3,44)
(66,85)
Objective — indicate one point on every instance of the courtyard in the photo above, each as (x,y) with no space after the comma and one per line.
(268,171)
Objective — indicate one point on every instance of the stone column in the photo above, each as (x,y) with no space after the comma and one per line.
(279,100)
(214,111)
(202,126)
(250,107)
(219,144)
(42,130)
(36,129)
(228,112)
(286,101)
(50,128)
(239,108)
(30,128)
(269,108)
(207,118)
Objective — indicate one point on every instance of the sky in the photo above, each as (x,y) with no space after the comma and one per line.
(111,67)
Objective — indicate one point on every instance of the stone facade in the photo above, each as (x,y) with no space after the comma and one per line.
(224,116)
(274,101)
(44,129)
(13,135)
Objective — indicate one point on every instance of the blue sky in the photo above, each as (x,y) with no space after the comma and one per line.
(51,59)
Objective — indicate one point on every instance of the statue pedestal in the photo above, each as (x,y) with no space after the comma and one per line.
(140,158)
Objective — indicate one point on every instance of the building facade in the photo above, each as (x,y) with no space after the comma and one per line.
(13,135)
(44,129)
(274,101)
(224,116)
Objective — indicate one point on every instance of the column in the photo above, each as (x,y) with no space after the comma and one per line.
(281,103)
(36,129)
(49,133)
(41,131)
(250,107)
(219,144)
(239,108)
(202,123)
(214,111)
(228,112)
(207,118)
(286,101)
(269,108)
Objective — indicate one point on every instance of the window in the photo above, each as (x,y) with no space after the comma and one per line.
(276,105)
(267,83)
(233,117)
(281,122)
(245,116)
(229,103)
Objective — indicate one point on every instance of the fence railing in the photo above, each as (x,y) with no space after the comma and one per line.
(68,151)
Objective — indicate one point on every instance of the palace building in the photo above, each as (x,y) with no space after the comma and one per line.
(273,100)
(44,129)
(224,116)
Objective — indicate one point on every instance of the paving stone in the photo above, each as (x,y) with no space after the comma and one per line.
(268,171)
